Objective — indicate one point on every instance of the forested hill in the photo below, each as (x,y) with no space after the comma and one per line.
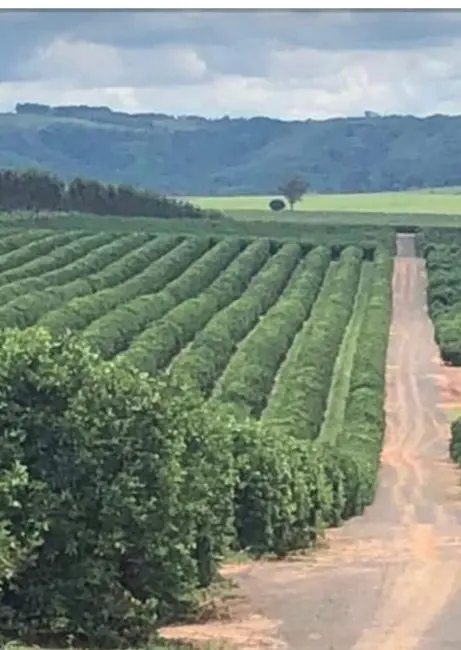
(192,155)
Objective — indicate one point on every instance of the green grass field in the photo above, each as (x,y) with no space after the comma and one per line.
(427,202)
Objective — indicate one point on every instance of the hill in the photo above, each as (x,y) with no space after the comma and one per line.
(191,155)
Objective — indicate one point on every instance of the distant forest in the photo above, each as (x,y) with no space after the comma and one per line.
(191,155)
(40,191)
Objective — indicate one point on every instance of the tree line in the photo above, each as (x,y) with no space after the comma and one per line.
(194,156)
(37,191)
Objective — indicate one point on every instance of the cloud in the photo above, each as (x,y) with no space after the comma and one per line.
(292,64)
(90,64)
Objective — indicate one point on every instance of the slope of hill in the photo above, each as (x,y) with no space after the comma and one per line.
(190,155)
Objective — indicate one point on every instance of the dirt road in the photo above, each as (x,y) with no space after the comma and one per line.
(390,580)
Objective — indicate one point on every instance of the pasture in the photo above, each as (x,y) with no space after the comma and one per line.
(417,202)
(440,208)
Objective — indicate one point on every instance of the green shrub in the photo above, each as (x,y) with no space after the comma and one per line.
(208,354)
(455,441)
(298,400)
(364,419)
(276,205)
(250,373)
(443,263)
(125,501)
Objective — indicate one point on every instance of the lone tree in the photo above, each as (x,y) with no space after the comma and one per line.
(293,190)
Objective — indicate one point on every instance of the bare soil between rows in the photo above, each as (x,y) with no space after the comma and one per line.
(391,579)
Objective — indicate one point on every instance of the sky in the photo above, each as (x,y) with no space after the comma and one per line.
(289,65)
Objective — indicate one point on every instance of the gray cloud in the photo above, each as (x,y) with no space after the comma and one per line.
(286,64)
(367,29)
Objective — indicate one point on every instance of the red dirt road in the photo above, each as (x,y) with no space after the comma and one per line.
(390,580)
